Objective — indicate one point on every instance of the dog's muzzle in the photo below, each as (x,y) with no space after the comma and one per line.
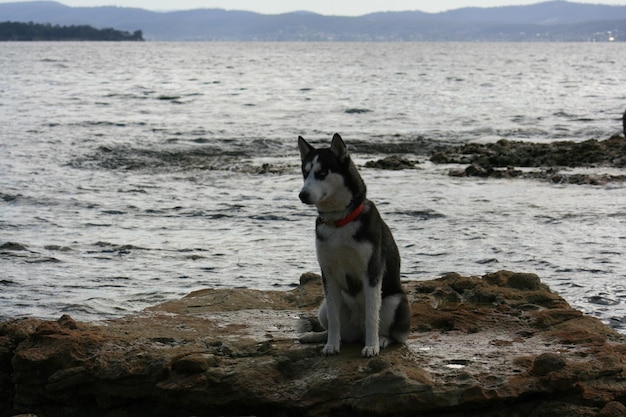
(305,197)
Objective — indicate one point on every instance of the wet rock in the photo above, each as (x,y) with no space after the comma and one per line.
(201,157)
(546,363)
(505,153)
(67,322)
(267,169)
(13,246)
(474,346)
(585,179)
(397,144)
(377,365)
(308,277)
(613,409)
(476,170)
(498,160)
(393,162)
(524,281)
(195,363)
(356,111)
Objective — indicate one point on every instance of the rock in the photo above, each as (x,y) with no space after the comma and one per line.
(356,111)
(497,160)
(397,144)
(13,246)
(505,153)
(546,363)
(613,409)
(391,163)
(308,277)
(476,170)
(476,343)
(67,322)
(585,179)
(524,281)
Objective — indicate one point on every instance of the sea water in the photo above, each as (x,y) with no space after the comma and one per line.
(134,173)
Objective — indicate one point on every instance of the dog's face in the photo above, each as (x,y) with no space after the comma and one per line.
(324,171)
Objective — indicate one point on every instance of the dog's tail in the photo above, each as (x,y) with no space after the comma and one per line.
(309,324)
(312,330)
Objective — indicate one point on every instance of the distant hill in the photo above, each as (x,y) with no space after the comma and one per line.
(17,31)
(548,21)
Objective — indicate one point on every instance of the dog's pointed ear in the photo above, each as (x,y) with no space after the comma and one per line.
(338,147)
(304,147)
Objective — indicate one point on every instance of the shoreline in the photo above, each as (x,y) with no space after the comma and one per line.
(504,159)
(508,159)
(476,344)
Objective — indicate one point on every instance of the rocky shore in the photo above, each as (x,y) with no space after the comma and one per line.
(504,158)
(498,345)
(517,159)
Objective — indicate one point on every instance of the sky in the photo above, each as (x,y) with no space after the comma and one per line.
(327,7)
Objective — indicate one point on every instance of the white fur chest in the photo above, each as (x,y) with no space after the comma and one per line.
(339,254)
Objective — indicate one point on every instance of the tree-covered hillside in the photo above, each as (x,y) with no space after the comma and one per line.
(16,31)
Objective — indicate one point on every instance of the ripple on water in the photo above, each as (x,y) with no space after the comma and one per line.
(146,190)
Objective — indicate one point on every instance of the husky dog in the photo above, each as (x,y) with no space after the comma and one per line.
(358,256)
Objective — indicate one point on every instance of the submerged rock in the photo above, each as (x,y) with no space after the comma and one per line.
(393,162)
(497,160)
(505,153)
(13,246)
(498,345)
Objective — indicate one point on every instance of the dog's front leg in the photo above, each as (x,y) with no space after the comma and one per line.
(373,300)
(333,310)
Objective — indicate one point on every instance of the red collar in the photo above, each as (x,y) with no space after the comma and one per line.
(342,222)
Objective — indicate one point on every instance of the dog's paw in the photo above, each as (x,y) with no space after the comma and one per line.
(330,350)
(385,341)
(370,351)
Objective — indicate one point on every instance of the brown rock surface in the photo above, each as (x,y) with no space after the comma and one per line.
(498,345)
(498,160)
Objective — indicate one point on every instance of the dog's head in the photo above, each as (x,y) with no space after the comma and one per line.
(331,181)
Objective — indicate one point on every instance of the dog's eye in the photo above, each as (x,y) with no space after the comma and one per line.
(322,174)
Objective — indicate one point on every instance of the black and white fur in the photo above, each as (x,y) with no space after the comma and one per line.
(360,263)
